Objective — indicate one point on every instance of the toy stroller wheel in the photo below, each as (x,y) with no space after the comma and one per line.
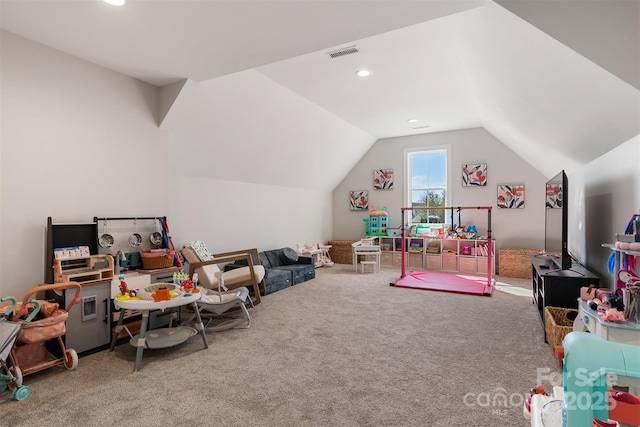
(17,373)
(21,393)
(71,359)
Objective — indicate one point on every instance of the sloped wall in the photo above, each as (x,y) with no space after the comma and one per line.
(254,164)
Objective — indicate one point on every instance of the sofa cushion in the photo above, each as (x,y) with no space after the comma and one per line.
(272,258)
(299,272)
(206,273)
(275,274)
(288,256)
(276,279)
(200,249)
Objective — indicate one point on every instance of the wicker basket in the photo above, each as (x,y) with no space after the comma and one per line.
(558,322)
(157,258)
(341,251)
(516,262)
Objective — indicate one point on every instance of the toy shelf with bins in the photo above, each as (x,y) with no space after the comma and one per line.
(389,254)
(415,252)
(455,255)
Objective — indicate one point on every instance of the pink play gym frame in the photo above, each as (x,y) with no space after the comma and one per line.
(446,282)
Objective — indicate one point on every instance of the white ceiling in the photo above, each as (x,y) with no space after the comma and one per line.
(449,64)
(161,41)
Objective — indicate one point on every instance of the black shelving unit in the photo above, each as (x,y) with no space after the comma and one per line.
(558,288)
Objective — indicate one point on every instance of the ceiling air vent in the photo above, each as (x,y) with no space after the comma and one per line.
(420,127)
(342,52)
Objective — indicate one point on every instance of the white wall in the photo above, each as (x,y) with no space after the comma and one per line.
(232,215)
(512,228)
(608,194)
(78,141)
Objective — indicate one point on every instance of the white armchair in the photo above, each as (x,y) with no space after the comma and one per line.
(206,264)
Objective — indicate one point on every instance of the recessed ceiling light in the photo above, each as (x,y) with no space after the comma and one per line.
(114,2)
(412,120)
(363,73)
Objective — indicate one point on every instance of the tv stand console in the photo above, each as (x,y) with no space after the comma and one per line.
(558,288)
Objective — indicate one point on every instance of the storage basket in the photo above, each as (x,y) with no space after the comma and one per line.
(516,262)
(341,251)
(558,322)
(157,258)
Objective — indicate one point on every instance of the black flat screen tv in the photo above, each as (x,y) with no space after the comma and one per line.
(557,221)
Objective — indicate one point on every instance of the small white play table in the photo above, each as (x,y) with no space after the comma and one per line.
(161,337)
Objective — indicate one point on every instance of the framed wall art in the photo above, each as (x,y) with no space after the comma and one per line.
(383,179)
(359,200)
(474,175)
(511,196)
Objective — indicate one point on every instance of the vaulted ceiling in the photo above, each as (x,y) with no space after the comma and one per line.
(552,77)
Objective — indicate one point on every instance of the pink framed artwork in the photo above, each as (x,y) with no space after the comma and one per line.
(474,175)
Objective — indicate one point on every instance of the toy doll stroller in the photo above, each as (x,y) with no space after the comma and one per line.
(9,332)
(40,341)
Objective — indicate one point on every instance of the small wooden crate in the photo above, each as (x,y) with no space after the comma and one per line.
(341,251)
(83,269)
(516,262)
(558,322)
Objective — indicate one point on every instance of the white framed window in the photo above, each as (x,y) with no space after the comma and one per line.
(427,178)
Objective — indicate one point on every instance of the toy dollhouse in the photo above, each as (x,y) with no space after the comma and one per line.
(377,223)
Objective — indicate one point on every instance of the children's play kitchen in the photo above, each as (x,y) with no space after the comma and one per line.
(95,254)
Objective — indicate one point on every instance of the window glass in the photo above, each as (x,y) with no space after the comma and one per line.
(427,183)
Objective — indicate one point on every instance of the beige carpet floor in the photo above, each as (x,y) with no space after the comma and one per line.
(344,349)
